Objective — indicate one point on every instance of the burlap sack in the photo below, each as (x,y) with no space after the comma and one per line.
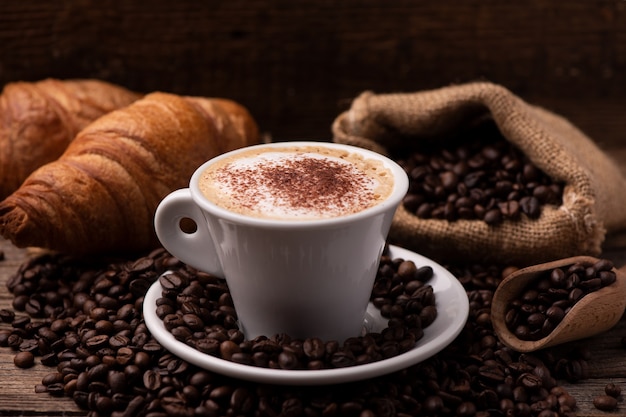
(594,197)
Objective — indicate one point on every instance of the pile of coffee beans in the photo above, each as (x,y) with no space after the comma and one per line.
(543,304)
(478,175)
(82,318)
(198,310)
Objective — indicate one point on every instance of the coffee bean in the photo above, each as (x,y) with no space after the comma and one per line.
(314,348)
(7,316)
(24,360)
(612,390)
(492,217)
(228,348)
(529,381)
(56,389)
(193,321)
(96,341)
(407,270)
(173,320)
(605,403)
(118,341)
(288,360)
(433,405)
(20,322)
(152,380)
(142,264)
(531,206)
(116,380)
(510,209)
(607,278)
(172,281)
(14,341)
(484,177)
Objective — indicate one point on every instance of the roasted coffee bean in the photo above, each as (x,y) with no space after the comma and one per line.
(193,321)
(7,316)
(492,217)
(96,341)
(49,359)
(605,403)
(177,366)
(14,341)
(407,270)
(56,389)
(228,348)
(531,206)
(612,390)
(287,360)
(243,358)
(29,345)
(116,380)
(314,348)
(142,264)
(24,360)
(210,346)
(546,301)
(152,380)
(172,281)
(20,322)
(4,337)
(118,341)
(124,356)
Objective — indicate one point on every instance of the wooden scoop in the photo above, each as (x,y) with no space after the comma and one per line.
(595,313)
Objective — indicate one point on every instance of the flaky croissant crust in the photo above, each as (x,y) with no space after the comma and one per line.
(101,194)
(39,119)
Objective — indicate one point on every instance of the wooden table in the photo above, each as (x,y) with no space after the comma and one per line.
(18,397)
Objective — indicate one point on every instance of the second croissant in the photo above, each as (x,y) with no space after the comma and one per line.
(39,119)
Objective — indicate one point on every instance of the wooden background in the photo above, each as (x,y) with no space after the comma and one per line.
(297,64)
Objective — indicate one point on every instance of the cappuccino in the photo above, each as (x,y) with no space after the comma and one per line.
(295,228)
(296,182)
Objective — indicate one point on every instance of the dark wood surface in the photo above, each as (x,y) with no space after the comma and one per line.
(296,65)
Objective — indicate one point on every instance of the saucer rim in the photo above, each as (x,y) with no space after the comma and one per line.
(452,314)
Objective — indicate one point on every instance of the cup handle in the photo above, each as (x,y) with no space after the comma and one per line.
(195,249)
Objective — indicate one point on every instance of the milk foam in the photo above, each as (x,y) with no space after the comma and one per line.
(296,183)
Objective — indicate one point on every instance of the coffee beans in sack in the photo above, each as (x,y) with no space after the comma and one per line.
(493,178)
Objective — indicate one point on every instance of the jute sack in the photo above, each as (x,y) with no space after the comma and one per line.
(594,195)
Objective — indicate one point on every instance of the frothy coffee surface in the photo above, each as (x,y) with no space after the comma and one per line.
(294,183)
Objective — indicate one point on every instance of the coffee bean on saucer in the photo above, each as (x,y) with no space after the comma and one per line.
(173,281)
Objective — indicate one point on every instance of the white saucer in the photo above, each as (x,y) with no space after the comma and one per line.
(452,313)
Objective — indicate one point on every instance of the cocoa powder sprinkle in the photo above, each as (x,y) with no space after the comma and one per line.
(301,186)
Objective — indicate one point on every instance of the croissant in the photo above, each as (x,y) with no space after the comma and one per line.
(100,196)
(39,119)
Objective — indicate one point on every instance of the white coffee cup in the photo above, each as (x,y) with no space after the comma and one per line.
(302,277)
